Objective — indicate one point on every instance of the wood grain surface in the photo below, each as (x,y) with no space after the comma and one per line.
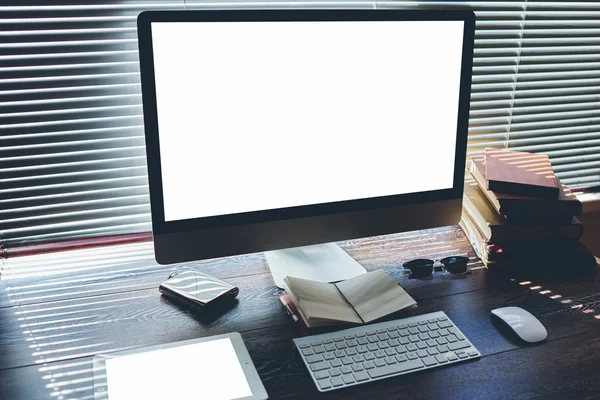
(59,310)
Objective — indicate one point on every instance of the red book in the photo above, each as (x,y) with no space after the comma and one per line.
(520,173)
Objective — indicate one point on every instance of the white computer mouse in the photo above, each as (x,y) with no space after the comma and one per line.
(525,325)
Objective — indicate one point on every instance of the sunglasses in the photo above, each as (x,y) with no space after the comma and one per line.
(423,268)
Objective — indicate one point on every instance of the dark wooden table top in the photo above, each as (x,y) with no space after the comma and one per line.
(58,310)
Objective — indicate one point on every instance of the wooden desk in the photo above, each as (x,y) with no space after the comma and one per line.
(58,310)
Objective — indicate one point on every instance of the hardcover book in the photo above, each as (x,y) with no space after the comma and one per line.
(497,229)
(520,173)
(512,205)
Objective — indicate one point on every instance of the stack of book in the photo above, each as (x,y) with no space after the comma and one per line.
(516,212)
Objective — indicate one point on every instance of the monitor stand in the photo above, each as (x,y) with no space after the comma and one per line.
(322,262)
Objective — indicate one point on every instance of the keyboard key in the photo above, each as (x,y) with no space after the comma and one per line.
(351,352)
(422,345)
(339,353)
(442,340)
(335,363)
(451,338)
(413,356)
(380,363)
(368,365)
(372,347)
(394,335)
(401,358)
(443,318)
(324,384)
(423,328)
(413,331)
(305,346)
(336,381)
(361,376)
(319,366)
(432,320)
(432,351)
(423,322)
(346,361)
(321,375)
(411,347)
(403,326)
(433,327)
(329,347)
(390,360)
(414,339)
(458,345)
(373,339)
(472,353)
(390,352)
(362,341)
(383,345)
(369,356)
(379,354)
(370,333)
(361,349)
(441,358)
(432,343)
(314,359)
(348,337)
(403,332)
(334,372)
(413,324)
(429,361)
(404,340)
(434,335)
(327,341)
(451,357)
(395,368)
(383,336)
(346,370)
(328,356)
(338,339)
(392,329)
(393,342)
(401,349)
(307,352)
(445,324)
(319,350)
(351,343)
(340,345)
(461,354)
(459,336)
(422,353)
(357,367)
(348,379)
(423,336)
(358,358)
(360,335)
(313,344)
(443,332)
(442,349)
(381,330)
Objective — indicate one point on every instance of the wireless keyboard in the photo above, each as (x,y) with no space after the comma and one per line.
(371,352)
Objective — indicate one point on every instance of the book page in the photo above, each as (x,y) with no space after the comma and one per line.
(374,295)
(319,300)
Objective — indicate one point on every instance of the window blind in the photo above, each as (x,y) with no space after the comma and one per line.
(72,157)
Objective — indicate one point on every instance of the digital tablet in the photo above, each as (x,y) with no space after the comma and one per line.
(211,368)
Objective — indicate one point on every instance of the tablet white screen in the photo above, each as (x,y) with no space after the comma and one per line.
(208,370)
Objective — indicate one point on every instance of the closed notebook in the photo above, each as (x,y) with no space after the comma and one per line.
(520,173)
(512,205)
(496,229)
(358,300)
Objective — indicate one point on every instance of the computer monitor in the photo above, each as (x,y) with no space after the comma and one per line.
(281,129)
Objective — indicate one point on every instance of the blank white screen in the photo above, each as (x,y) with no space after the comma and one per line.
(207,371)
(264,115)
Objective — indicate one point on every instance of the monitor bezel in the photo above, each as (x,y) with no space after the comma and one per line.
(309,212)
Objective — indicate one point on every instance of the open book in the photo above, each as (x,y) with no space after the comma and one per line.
(358,300)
